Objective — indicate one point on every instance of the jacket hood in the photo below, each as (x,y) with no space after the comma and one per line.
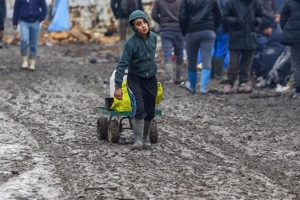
(137,14)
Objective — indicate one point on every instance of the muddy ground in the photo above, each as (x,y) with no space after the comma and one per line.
(209,147)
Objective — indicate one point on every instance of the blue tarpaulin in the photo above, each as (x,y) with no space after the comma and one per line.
(60,21)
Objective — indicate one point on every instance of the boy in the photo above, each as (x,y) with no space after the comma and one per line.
(29,14)
(139,57)
(242,17)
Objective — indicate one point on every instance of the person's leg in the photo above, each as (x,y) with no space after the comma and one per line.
(178,42)
(33,43)
(137,102)
(24,29)
(295,62)
(244,72)
(192,47)
(167,47)
(33,38)
(149,88)
(232,71)
(206,45)
(245,66)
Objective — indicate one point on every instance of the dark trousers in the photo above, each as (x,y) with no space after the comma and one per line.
(239,64)
(295,61)
(142,93)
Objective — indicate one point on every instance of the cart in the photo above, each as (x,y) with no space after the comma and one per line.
(110,126)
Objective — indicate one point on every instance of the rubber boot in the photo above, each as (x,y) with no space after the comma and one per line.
(1,43)
(213,67)
(178,78)
(32,64)
(168,72)
(190,85)
(24,62)
(146,139)
(205,79)
(218,68)
(138,130)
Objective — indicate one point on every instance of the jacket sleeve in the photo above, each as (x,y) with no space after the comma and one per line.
(285,14)
(259,14)
(16,13)
(113,5)
(217,14)
(44,10)
(183,17)
(228,19)
(123,64)
(155,13)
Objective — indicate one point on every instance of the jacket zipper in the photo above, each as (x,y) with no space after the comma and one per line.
(148,57)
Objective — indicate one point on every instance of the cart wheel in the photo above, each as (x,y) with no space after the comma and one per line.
(113,131)
(153,132)
(102,128)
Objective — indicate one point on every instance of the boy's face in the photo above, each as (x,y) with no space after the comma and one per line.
(141,26)
(267,31)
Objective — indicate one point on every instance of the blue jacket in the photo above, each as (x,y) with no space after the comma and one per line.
(29,11)
(221,28)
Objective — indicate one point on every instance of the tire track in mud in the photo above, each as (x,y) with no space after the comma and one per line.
(25,171)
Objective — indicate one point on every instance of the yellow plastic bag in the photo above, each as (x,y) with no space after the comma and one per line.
(124,105)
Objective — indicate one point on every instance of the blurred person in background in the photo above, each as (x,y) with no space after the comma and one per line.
(2,20)
(122,10)
(290,24)
(29,14)
(268,49)
(242,17)
(165,13)
(220,48)
(198,22)
(271,11)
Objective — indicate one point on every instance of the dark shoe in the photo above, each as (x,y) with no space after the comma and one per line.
(228,89)
(244,88)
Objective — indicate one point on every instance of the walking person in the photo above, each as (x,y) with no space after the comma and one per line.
(165,13)
(29,14)
(2,20)
(121,10)
(220,49)
(198,22)
(290,24)
(139,57)
(242,17)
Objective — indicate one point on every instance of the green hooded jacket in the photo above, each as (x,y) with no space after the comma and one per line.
(138,54)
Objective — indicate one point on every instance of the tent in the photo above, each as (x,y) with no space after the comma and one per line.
(60,21)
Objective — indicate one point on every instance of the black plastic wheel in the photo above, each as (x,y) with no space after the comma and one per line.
(113,131)
(102,128)
(153,133)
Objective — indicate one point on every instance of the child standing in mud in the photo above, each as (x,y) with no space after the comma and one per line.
(29,14)
(139,56)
